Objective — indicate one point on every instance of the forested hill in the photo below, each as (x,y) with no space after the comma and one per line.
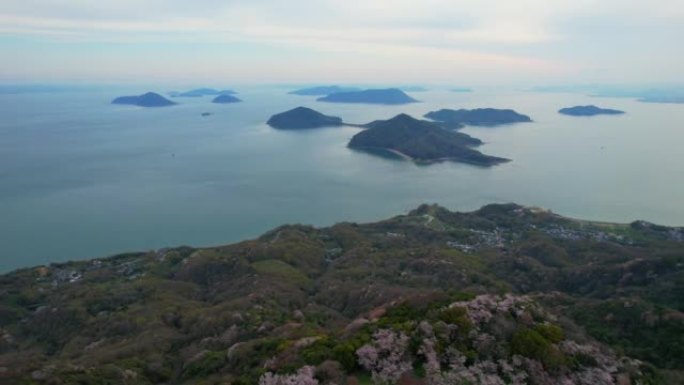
(502,295)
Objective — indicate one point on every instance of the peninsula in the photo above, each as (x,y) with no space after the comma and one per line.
(420,141)
(588,111)
(372,96)
(323,90)
(149,99)
(225,99)
(478,116)
(302,118)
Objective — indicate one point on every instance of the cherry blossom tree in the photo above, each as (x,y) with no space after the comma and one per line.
(304,376)
(386,357)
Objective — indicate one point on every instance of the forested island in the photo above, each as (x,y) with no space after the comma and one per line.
(149,99)
(590,110)
(505,293)
(420,141)
(477,117)
(225,99)
(302,118)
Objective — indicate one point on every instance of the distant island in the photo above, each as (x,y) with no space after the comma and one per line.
(588,111)
(323,90)
(461,89)
(149,99)
(414,89)
(302,118)
(477,117)
(226,99)
(420,141)
(372,96)
(662,99)
(666,94)
(199,92)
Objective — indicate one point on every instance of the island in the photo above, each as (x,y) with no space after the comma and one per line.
(323,90)
(663,99)
(225,99)
(414,89)
(199,92)
(149,99)
(461,89)
(302,118)
(588,111)
(206,114)
(371,96)
(421,141)
(477,117)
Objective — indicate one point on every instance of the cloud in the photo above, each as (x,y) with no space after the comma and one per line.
(543,36)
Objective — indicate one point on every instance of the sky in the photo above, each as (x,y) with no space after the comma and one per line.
(483,42)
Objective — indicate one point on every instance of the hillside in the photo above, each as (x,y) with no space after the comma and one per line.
(421,141)
(505,294)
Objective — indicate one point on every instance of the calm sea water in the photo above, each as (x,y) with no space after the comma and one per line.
(81,178)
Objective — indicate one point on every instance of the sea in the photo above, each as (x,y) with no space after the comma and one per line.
(81,178)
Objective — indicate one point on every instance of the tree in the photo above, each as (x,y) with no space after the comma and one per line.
(386,357)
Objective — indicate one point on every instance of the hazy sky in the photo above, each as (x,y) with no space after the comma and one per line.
(331,41)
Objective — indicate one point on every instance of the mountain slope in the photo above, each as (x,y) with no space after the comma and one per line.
(328,297)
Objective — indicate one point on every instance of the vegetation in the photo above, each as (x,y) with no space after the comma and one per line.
(302,118)
(477,117)
(505,294)
(421,141)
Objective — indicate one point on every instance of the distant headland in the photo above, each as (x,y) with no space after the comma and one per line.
(149,99)
(588,111)
(414,89)
(322,90)
(477,117)
(302,118)
(371,96)
(199,92)
(421,141)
